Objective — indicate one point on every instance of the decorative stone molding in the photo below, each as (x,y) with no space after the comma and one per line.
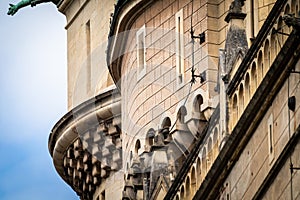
(86,143)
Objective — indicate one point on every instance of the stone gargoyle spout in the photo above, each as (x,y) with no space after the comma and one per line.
(13,8)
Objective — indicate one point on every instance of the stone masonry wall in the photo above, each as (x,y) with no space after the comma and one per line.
(255,161)
(87,31)
(146,101)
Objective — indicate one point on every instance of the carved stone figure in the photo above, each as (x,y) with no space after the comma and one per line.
(236,6)
(291,20)
(14,8)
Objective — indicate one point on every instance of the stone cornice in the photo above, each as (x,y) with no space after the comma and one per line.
(105,109)
(63,4)
(99,104)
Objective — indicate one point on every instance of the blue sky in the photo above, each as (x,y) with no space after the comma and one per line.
(33,86)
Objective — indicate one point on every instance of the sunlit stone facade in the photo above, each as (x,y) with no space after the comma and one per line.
(141,126)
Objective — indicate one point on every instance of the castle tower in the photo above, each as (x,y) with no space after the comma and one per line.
(86,143)
(181,99)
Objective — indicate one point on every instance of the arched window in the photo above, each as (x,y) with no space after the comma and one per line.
(182,192)
(247,89)
(131,156)
(181,114)
(197,107)
(287,9)
(137,147)
(204,162)
(150,138)
(253,78)
(166,123)
(293,7)
(188,188)
(267,57)
(198,102)
(165,126)
(193,181)
(234,110)
(260,66)
(215,143)
(180,123)
(210,153)
(287,29)
(199,174)
(241,99)
(273,47)
(280,36)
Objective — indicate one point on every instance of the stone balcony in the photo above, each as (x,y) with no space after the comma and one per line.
(85,144)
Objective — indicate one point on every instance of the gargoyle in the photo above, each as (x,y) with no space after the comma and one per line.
(291,20)
(14,8)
